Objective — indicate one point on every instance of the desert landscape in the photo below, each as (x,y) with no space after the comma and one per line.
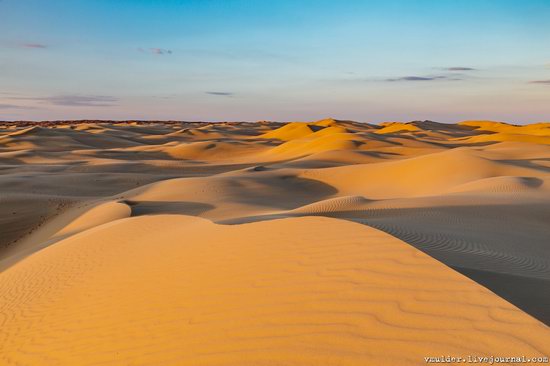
(304,243)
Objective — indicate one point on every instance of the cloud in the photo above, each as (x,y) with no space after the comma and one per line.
(421,78)
(540,82)
(460,68)
(160,51)
(409,78)
(34,45)
(227,94)
(156,51)
(82,100)
(75,100)
(13,106)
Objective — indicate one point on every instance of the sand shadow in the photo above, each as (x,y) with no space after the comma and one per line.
(142,208)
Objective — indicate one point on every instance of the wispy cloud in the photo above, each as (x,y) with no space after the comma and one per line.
(226,94)
(82,100)
(156,51)
(75,100)
(408,78)
(422,78)
(459,68)
(540,82)
(13,106)
(34,45)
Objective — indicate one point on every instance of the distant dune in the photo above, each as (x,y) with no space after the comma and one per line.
(306,243)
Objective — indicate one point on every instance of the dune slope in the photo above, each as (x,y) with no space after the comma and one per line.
(168,290)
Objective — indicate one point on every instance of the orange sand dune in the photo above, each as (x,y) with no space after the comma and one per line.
(168,290)
(307,243)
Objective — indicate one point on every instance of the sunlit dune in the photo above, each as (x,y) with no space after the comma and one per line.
(303,243)
(393,127)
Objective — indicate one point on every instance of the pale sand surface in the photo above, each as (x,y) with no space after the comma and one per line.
(103,262)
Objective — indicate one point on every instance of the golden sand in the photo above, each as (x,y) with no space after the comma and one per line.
(324,243)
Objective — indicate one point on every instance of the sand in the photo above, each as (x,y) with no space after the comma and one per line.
(323,243)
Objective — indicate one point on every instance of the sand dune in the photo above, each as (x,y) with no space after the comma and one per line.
(424,175)
(170,290)
(328,243)
(504,236)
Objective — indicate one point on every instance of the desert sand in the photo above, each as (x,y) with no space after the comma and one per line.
(303,243)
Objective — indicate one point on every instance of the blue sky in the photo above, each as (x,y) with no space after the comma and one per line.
(444,60)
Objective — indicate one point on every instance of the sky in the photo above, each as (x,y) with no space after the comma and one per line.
(284,60)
